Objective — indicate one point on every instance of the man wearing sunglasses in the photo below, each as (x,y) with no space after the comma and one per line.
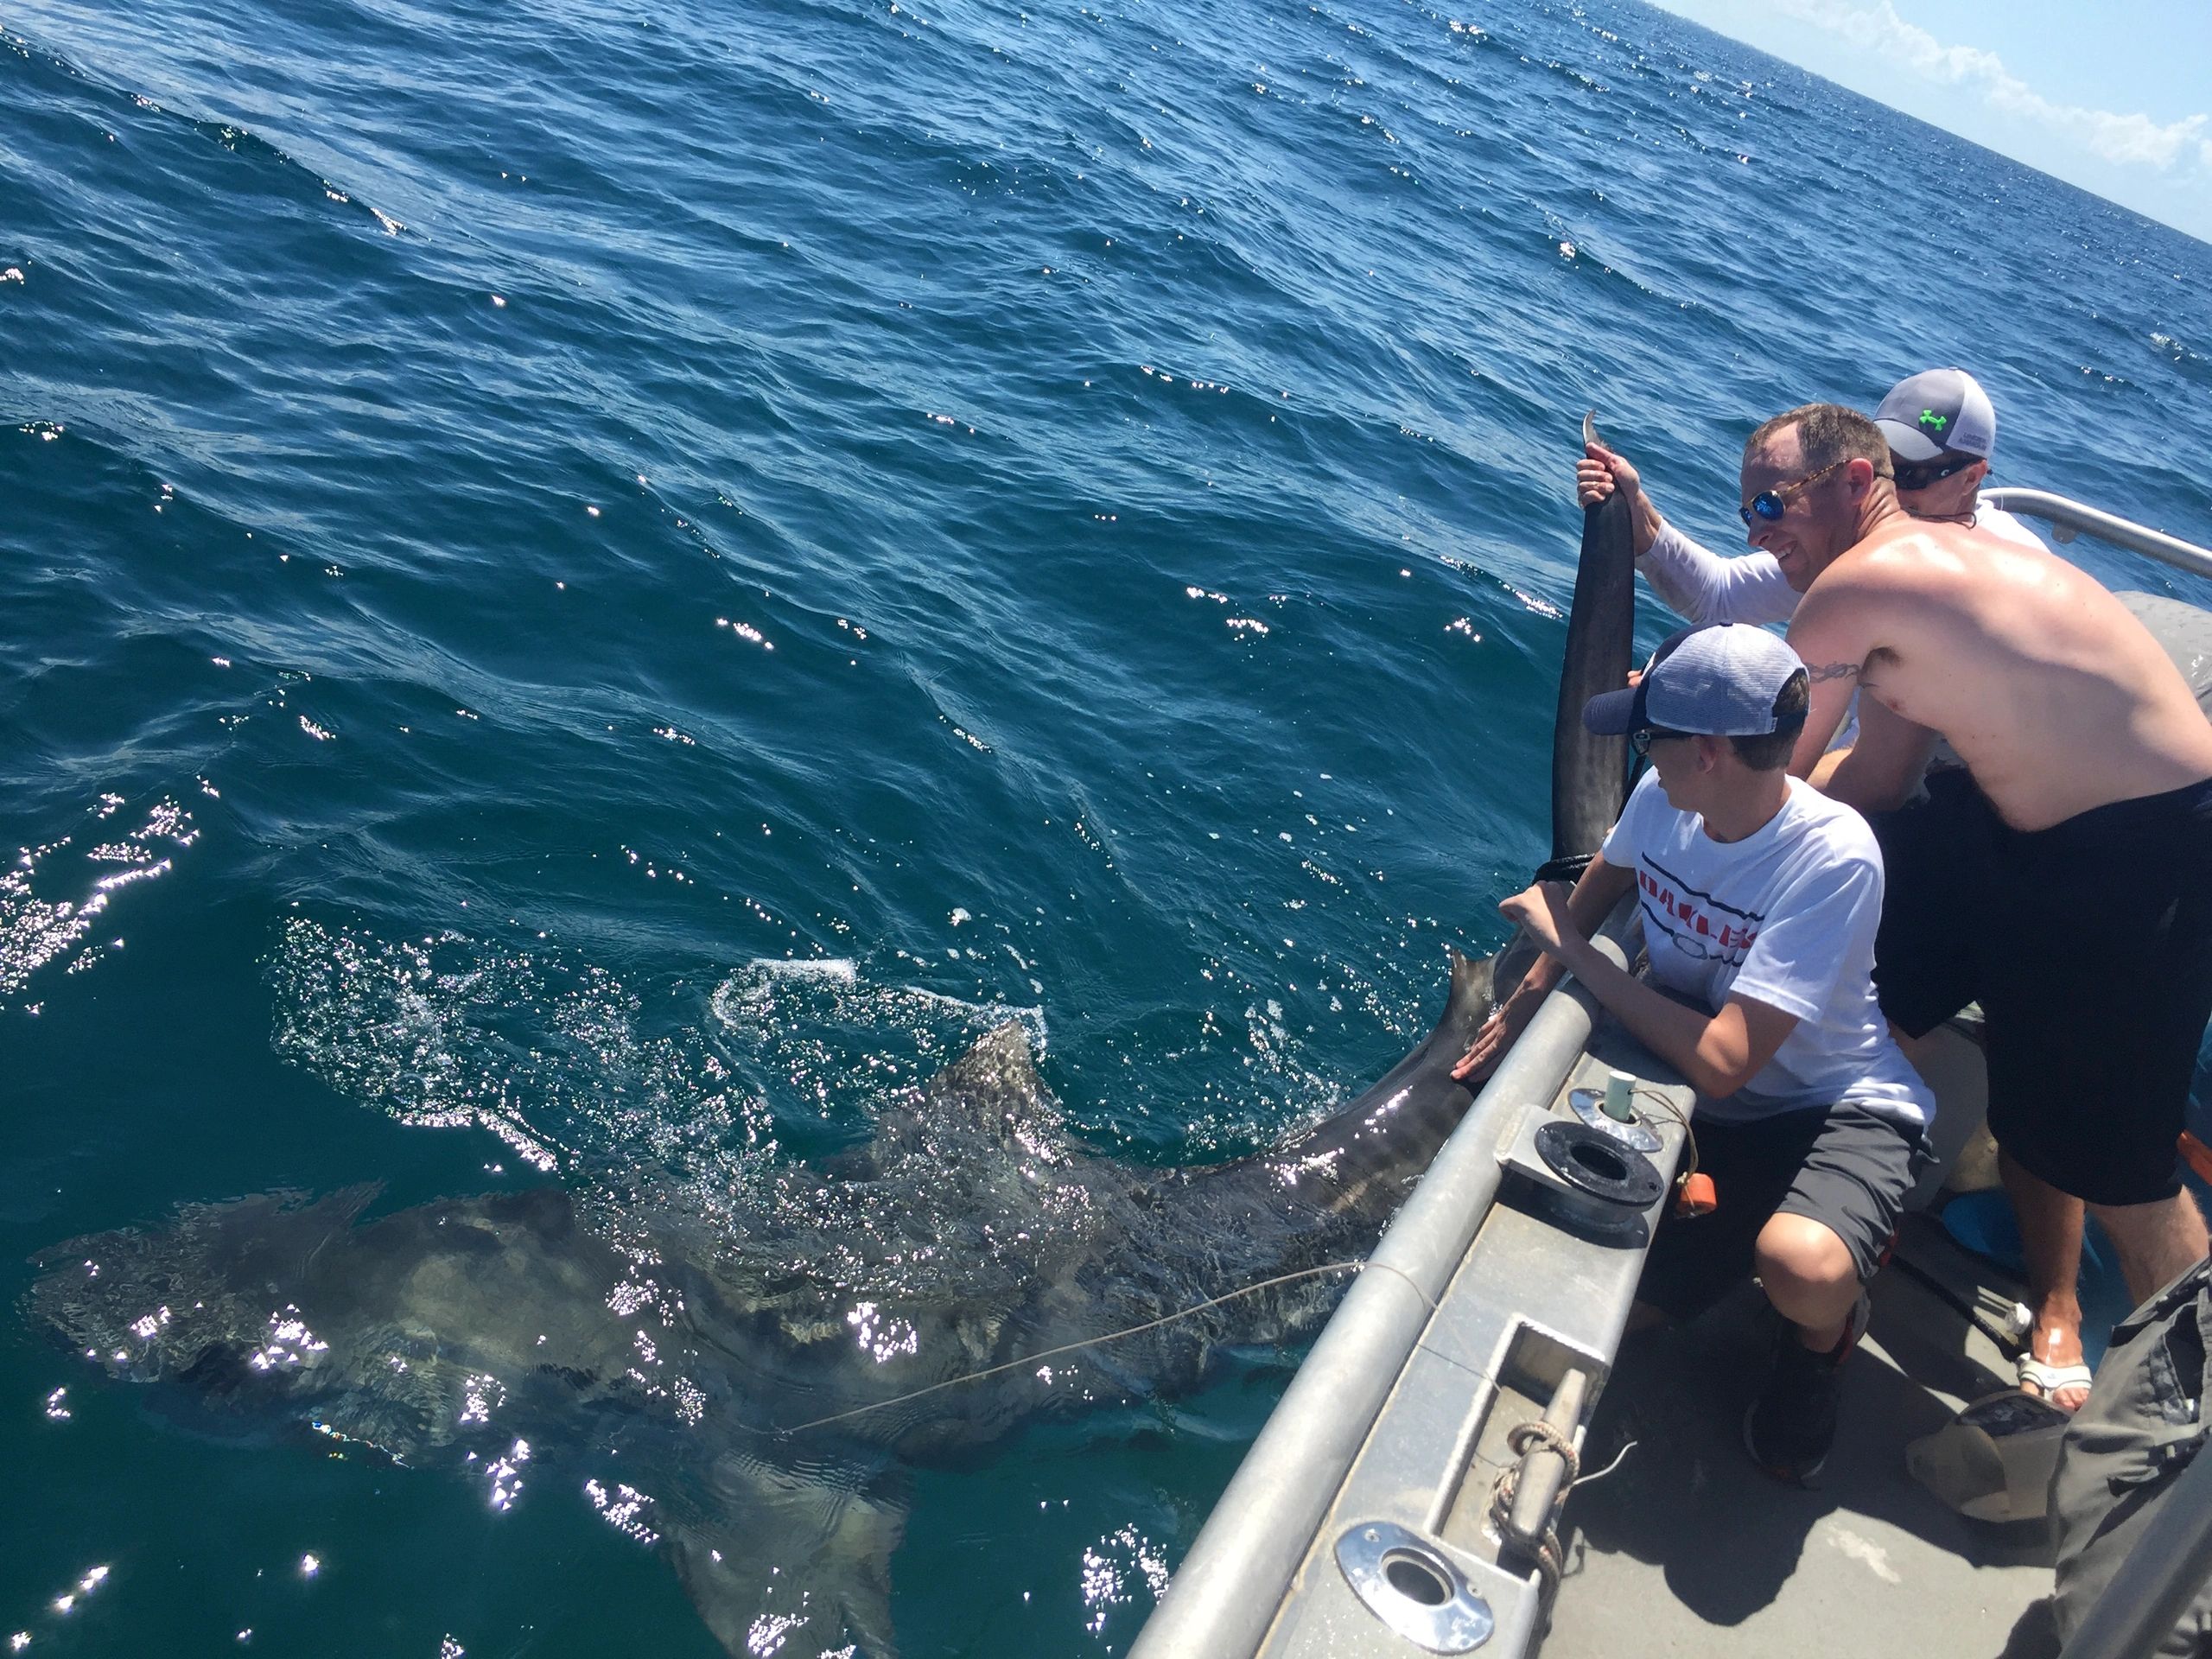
(1760,899)
(1941,430)
(2063,879)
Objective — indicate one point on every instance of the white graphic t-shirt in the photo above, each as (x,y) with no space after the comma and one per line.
(1785,917)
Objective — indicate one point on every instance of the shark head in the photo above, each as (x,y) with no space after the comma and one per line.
(208,1305)
(275,1312)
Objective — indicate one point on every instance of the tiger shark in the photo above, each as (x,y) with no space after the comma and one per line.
(748,1399)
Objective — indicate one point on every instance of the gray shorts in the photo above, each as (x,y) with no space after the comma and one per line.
(1844,1166)
(2143,1424)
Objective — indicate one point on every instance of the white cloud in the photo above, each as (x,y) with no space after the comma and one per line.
(2126,140)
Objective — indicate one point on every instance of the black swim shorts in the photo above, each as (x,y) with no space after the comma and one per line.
(2089,947)
(1844,1166)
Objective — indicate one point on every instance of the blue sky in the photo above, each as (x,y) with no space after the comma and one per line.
(2115,98)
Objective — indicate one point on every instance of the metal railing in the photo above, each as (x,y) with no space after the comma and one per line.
(2069,518)
(1228,1590)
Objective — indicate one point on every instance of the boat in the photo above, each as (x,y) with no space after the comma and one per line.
(1477,1457)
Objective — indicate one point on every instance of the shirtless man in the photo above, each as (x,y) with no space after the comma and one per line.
(1941,430)
(2064,880)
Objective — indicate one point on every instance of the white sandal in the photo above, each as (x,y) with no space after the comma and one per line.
(2050,1379)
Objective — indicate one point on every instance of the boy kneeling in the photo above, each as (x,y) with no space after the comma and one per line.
(1760,899)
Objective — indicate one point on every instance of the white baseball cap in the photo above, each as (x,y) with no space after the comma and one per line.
(1938,411)
(1720,680)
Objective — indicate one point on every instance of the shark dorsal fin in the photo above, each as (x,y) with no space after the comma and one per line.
(995,1087)
(992,1095)
(999,1069)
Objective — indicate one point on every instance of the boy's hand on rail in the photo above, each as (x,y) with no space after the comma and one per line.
(1496,1035)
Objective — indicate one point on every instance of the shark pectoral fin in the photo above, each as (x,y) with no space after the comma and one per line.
(794,1561)
(1472,979)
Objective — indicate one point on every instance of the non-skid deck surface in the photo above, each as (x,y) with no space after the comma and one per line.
(1687,1548)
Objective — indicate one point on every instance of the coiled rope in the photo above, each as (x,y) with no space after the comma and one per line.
(1544,1549)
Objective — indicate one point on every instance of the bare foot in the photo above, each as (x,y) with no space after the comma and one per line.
(2053,1367)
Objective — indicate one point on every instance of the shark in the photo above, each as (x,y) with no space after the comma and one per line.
(750,1401)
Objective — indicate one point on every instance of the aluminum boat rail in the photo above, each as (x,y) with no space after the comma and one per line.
(1366,1519)
(2069,518)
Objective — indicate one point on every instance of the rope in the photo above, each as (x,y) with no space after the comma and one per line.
(1528,1437)
(1545,1549)
(1115,1336)
(1567,867)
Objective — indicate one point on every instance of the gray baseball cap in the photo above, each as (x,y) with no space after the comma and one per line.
(1719,681)
(1935,412)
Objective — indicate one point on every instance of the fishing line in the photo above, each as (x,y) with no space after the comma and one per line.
(1652,1094)
(1115,1336)
(1648,1093)
(1583,1480)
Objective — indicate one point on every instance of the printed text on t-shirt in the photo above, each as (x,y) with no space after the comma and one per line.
(1699,925)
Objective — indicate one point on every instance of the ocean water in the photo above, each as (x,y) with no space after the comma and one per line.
(598,588)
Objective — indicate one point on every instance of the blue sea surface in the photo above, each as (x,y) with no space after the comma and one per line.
(598,588)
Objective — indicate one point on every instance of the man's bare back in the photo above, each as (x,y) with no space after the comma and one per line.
(2056,698)
(2083,739)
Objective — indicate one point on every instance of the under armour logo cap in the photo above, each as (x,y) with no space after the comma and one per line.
(1938,411)
(1720,680)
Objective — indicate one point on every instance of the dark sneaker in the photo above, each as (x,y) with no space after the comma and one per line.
(1791,1424)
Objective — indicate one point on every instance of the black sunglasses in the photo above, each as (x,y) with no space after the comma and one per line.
(1919,475)
(1770,505)
(1641,739)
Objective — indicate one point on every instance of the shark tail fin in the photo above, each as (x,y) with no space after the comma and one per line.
(1589,772)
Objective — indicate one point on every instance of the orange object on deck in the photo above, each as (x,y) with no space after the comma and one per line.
(1699,1198)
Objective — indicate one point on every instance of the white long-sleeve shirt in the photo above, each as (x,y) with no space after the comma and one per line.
(1702,586)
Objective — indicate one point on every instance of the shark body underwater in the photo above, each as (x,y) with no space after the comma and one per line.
(683,1379)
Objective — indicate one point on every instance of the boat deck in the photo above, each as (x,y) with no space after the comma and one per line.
(1688,1548)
